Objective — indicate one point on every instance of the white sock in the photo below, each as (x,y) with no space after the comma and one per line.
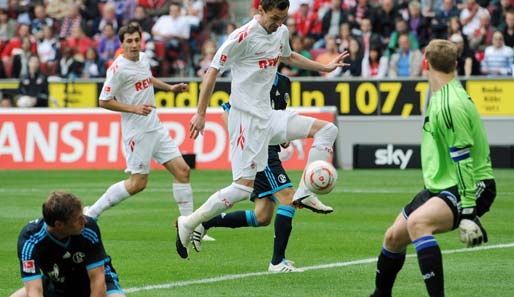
(114,195)
(217,203)
(321,149)
(183,195)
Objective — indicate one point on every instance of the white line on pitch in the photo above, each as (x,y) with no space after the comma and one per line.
(314,267)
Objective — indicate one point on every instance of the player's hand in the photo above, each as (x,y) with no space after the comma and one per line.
(471,231)
(196,125)
(144,109)
(181,87)
(337,62)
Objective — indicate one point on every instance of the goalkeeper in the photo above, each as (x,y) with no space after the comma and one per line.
(459,182)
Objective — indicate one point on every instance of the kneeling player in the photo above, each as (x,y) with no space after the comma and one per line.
(62,254)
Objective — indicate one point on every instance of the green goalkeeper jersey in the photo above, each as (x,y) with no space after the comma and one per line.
(454,148)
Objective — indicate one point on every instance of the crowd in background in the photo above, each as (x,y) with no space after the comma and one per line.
(74,39)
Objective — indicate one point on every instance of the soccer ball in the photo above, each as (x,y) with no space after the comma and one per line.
(320,177)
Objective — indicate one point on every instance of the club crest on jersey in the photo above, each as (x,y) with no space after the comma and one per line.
(223,59)
(29,266)
(263,64)
(78,257)
(144,84)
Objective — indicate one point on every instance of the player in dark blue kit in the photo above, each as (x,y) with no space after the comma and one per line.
(271,186)
(62,254)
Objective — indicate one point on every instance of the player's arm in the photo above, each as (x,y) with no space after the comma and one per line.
(197,123)
(297,60)
(34,288)
(180,87)
(115,105)
(97,281)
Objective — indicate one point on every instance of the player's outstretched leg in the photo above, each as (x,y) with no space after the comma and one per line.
(322,147)
(218,202)
(114,195)
(236,219)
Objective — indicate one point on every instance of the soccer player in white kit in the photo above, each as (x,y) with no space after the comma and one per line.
(129,89)
(253,53)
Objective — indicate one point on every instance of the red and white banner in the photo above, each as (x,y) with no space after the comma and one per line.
(91,139)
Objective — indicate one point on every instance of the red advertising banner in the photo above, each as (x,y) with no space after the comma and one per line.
(91,139)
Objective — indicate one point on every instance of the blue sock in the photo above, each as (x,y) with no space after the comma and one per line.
(431,264)
(283,227)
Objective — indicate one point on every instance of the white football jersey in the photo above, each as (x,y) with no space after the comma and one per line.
(253,55)
(130,82)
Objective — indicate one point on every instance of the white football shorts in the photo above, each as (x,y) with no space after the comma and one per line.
(250,137)
(141,148)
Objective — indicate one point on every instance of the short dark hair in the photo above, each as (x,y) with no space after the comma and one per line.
(60,206)
(268,5)
(128,29)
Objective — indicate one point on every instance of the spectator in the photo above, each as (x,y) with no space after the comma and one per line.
(145,22)
(307,22)
(401,28)
(361,11)
(355,59)
(72,20)
(498,57)
(440,22)
(430,7)
(407,61)
(3,74)
(375,65)
(48,47)
(455,27)
(172,28)
(367,38)
(58,9)
(40,20)
(5,102)
(344,37)
(156,8)
(385,22)
(90,16)
(33,86)
(470,17)
(93,65)
(108,44)
(13,46)
(78,41)
(291,27)
(208,51)
(483,36)
(499,10)
(297,45)
(69,67)
(124,9)
(332,19)
(7,28)
(108,17)
(418,24)
(508,30)
(467,64)
(229,29)
(330,54)
(21,58)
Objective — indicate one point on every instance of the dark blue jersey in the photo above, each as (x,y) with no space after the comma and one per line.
(62,262)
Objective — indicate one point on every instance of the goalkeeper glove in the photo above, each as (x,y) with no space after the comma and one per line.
(472,233)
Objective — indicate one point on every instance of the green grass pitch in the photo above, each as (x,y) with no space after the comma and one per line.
(338,249)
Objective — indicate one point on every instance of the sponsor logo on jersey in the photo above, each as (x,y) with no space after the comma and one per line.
(144,84)
(273,62)
(29,266)
(54,275)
